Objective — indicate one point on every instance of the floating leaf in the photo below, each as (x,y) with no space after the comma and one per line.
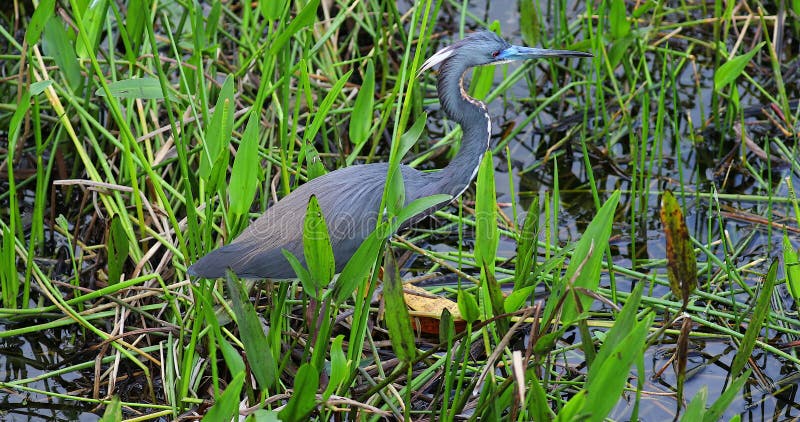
(681,259)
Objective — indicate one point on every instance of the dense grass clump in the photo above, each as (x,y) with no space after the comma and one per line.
(632,233)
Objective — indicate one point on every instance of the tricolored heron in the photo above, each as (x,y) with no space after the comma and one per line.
(350,197)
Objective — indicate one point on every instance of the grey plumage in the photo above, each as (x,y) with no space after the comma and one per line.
(350,197)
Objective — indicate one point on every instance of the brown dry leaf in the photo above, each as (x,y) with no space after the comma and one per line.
(426,304)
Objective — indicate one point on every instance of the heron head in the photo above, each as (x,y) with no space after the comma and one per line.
(487,48)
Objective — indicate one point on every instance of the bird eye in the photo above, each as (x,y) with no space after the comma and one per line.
(495,53)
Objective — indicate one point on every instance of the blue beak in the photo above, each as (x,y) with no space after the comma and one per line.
(516,52)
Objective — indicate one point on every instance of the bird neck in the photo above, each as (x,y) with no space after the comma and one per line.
(476,125)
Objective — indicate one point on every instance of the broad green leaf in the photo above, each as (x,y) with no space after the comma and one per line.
(94,16)
(715,412)
(263,415)
(39,87)
(396,195)
(301,271)
(529,24)
(271,9)
(618,21)
(611,367)
(681,259)
(360,264)
(572,411)
(57,43)
(317,248)
(398,322)
(321,114)
(113,411)
(447,327)
(538,404)
(219,130)
(697,407)
(517,298)
(246,172)
(314,168)
(226,406)
(262,363)
(791,267)
(233,360)
(730,70)
(361,118)
(586,261)
(40,16)
(526,245)
(303,398)
(468,306)
(760,312)
(144,88)
(306,17)
(340,368)
(138,11)
(419,206)
(9,279)
(118,249)
(410,137)
(486,234)
(487,237)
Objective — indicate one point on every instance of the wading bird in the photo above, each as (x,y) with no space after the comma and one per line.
(350,197)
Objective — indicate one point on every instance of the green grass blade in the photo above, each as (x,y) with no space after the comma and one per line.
(303,399)
(756,320)
(587,259)
(218,132)
(317,249)
(398,322)
(245,175)
(361,118)
(791,267)
(261,361)
(226,406)
(40,17)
